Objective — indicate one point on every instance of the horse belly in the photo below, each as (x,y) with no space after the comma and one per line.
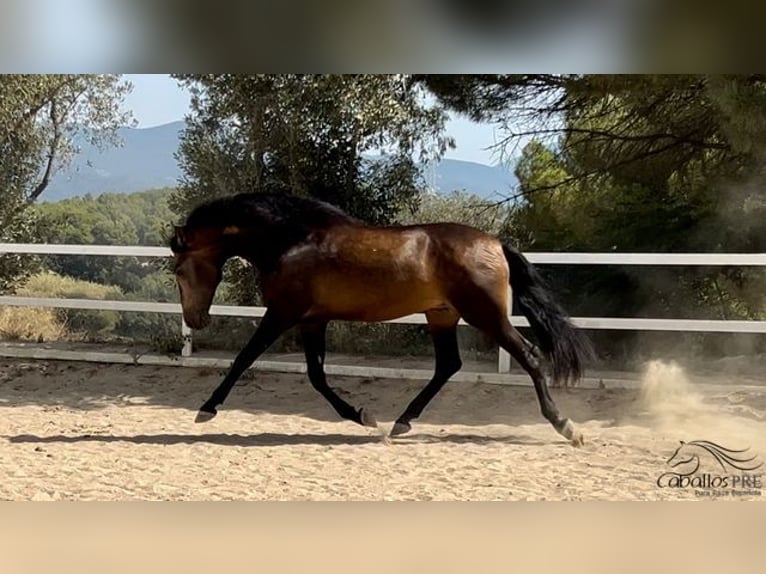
(344,298)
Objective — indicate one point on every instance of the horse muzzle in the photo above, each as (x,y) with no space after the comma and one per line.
(197,320)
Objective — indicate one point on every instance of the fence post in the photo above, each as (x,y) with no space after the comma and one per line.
(503,358)
(186,337)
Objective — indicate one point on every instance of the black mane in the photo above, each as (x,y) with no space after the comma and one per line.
(278,220)
(269,209)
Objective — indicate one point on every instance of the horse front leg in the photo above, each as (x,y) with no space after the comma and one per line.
(271,327)
(314,338)
(443,327)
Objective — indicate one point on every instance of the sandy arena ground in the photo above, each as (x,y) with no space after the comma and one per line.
(80,431)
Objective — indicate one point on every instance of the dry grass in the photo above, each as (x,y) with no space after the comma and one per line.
(44,324)
(31,324)
(52,285)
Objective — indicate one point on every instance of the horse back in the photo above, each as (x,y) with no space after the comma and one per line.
(379,273)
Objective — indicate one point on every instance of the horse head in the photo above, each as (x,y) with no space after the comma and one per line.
(198,270)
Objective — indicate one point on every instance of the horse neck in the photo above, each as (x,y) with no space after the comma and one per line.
(261,244)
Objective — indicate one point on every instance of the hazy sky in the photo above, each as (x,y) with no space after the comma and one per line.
(157,99)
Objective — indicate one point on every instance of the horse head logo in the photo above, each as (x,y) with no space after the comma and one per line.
(687,457)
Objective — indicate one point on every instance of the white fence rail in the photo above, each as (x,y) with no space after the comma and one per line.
(552,258)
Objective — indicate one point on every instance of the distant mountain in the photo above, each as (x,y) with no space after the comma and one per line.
(145,160)
(489,182)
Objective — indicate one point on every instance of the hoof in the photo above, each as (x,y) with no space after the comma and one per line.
(400,427)
(204,416)
(578,439)
(572,433)
(367,418)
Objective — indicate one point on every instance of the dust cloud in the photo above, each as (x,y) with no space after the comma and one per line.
(672,402)
(667,393)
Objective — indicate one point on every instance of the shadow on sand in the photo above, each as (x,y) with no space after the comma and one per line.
(270,439)
(91,387)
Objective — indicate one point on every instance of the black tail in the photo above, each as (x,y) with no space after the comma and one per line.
(565,346)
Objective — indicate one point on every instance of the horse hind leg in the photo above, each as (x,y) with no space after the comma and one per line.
(491,316)
(518,347)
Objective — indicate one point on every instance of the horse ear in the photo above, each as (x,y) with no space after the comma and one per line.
(682,442)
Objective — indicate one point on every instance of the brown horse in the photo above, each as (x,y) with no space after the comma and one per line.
(317,264)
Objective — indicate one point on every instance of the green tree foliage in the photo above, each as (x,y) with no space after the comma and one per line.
(458,207)
(116,219)
(635,128)
(109,219)
(39,117)
(634,163)
(306,134)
